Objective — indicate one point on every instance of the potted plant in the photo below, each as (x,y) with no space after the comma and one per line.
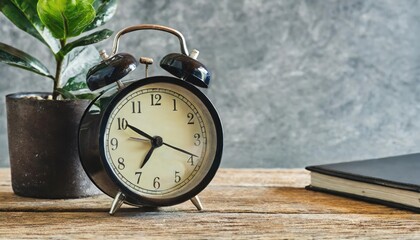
(42,127)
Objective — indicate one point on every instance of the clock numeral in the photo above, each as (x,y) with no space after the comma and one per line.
(177,177)
(197,139)
(121,164)
(191,160)
(114,144)
(122,123)
(190,117)
(155,99)
(136,106)
(138,179)
(174,100)
(156,183)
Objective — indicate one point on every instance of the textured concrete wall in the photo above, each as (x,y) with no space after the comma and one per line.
(295,82)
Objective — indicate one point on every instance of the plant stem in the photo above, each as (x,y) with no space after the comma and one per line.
(59,60)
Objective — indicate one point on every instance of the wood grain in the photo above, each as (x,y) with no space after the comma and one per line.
(239,203)
(205,225)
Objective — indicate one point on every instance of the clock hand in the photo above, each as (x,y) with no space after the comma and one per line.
(149,153)
(138,139)
(140,132)
(156,142)
(179,149)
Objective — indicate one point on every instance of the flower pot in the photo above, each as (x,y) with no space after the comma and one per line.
(43,148)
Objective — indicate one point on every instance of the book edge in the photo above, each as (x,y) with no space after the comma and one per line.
(365,199)
(363,178)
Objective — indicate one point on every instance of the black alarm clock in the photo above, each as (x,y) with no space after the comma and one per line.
(155,141)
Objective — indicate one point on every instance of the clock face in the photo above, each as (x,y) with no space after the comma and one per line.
(160,141)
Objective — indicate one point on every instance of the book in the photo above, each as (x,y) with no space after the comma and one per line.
(392,181)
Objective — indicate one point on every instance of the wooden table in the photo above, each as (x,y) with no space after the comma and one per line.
(239,203)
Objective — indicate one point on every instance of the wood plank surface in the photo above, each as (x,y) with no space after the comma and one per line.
(239,203)
(204,225)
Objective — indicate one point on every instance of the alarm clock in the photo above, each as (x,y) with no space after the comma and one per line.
(155,141)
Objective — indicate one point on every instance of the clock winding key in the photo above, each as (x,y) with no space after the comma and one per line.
(146,61)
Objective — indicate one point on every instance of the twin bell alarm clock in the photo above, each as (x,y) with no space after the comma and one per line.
(155,141)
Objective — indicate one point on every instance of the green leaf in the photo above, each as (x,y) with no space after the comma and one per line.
(66,18)
(82,93)
(86,40)
(71,95)
(89,96)
(75,83)
(23,14)
(105,10)
(65,94)
(17,58)
(75,88)
(77,64)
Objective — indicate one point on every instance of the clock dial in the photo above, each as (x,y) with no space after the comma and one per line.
(157,140)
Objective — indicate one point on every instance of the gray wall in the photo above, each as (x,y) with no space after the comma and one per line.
(296,82)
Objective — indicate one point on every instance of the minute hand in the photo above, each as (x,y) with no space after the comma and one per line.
(179,149)
(140,132)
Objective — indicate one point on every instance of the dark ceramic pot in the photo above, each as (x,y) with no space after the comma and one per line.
(43,147)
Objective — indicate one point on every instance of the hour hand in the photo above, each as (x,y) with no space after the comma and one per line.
(140,132)
(149,153)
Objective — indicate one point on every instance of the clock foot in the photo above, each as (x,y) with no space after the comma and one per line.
(197,203)
(116,204)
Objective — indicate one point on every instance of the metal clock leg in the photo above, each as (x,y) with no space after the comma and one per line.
(197,203)
(116,204)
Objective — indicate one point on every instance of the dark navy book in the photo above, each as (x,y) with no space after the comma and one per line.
(392,181)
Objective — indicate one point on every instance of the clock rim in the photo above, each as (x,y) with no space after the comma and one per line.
(135,198)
